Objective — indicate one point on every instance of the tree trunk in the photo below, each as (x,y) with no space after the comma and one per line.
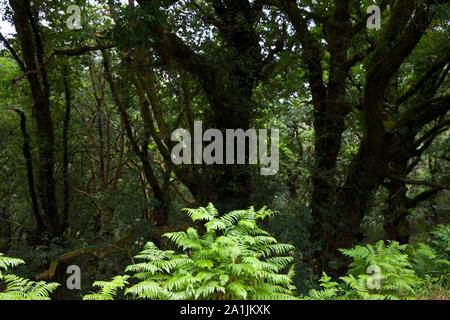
(32,51)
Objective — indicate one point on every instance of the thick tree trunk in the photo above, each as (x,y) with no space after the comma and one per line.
(395,216)
(32,51)
(228,81)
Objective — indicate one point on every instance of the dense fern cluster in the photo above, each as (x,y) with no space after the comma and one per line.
(432,261)
(233,259)
(395,274)
(17,288)
(394,271)
(377,272)
(108,289)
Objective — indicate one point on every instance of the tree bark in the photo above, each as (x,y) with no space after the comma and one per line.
(65,173)
(32,52)
(30,173)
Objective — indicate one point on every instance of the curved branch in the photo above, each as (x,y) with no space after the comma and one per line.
(440,128)
(411,203)
(109,249)
(13,52)
(68,53)
(426,183)
(424,113)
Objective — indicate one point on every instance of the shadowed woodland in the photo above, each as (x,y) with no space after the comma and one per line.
(87,114)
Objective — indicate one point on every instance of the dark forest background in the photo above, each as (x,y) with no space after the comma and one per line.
(86,117)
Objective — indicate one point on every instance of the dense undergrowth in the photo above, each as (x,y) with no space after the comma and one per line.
(230,257)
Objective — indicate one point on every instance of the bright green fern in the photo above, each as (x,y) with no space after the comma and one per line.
(17,288)
(377,273)
(232,259)
(431,261)
(397,279)
(108,289)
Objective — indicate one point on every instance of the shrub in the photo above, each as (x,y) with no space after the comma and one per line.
(17,288)
(377,272)
(233,259)
(431,261)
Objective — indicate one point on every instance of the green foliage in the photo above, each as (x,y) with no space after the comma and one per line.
(432,261)
(175,62)
(108,289)
(17,288)
(397,278)
(377,272)
(331,290)
(233,259)
(6,262)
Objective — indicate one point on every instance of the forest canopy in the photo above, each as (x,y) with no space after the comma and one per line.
(178,127)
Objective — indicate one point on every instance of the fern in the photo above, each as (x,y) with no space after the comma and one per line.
(233,259)
(331,290)
(396,277)
(17,288)
(6,262)
(431,261)
(107,289)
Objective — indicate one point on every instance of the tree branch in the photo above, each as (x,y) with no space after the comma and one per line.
(411,203)
(426,183)
(419,84)
(13,52)
(68,53)
(423,113)
(433,133)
